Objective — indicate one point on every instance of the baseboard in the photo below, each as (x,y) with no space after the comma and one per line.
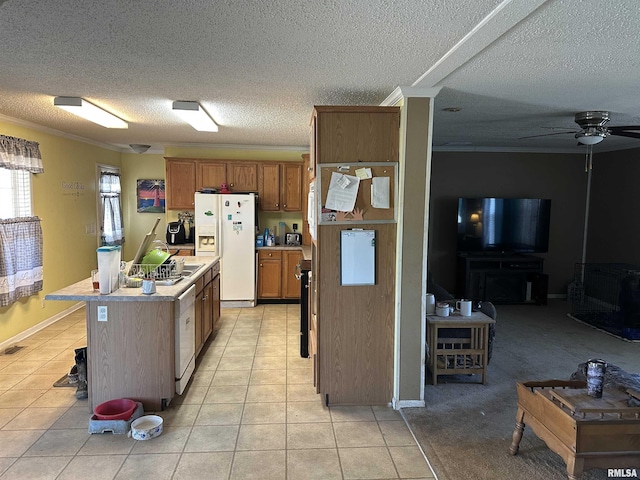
(36,328)
(237,303)
(398,404)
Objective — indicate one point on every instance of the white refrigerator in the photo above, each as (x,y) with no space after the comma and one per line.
(226,227)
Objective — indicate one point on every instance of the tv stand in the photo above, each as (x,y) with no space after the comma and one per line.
(501,278)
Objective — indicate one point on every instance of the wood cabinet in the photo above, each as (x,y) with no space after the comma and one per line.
(277,273)
(352,328)
(290,284)
(180,184)
(306,162)
(280,187)
(348,134)
(242,177)
(211,175)
(185,176)
(207,305)
(270,274)
(269,191)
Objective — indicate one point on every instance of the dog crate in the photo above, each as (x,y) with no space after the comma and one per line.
(607,296)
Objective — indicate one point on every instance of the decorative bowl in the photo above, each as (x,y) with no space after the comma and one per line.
(119,409)
(146,427)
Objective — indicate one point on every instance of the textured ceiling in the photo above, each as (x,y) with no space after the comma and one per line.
(515,67)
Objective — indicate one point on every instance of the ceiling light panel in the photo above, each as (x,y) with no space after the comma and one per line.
(87,110)
(195,115)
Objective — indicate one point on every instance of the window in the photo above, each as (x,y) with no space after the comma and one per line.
(15,193)
(109,188)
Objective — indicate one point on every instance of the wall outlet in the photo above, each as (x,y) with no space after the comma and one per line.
(90,229)
(102,313)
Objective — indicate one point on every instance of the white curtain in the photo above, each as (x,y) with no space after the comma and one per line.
(20,154)
(113,226)
(20,258)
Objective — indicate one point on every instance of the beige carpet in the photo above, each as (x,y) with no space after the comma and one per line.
(465,429)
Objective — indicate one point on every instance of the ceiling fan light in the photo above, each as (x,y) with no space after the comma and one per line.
(87,110)
(195,115)
(587,139)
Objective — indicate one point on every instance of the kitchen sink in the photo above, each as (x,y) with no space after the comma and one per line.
(190,269)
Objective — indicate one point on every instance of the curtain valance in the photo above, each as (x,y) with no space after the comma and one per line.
(20,154)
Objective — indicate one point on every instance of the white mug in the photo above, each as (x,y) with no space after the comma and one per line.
(431,304)
(464,306)
(148,286)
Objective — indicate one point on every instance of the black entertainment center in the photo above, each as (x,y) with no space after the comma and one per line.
(501,278)
(495,239)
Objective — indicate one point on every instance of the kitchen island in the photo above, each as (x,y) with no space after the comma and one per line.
(131,337)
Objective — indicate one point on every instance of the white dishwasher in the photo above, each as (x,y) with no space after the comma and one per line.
(185,311)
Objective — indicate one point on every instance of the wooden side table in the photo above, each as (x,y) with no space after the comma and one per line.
(467,355)
(586,432)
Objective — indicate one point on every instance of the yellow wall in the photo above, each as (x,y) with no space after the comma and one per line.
(64,197)
(136,225)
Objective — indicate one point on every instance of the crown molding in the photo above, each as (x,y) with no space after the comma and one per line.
(57,133)
(404,92)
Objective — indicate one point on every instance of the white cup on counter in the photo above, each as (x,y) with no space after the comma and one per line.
(464,307)
(431,304)
(148,286)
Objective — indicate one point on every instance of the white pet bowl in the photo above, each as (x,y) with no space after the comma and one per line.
(146,427)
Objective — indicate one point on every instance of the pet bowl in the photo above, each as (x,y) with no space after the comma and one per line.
(119,409)
(146,427)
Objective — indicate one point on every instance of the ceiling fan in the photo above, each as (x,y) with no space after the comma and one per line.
(593,128)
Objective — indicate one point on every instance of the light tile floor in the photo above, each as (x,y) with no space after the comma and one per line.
(250,411)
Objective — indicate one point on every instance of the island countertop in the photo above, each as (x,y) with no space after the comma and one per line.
(83,290)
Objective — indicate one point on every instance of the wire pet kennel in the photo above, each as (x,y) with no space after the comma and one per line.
(607,296)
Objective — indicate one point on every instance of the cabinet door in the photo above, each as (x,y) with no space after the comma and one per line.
(269,279)
(242,177)
(180,184)
(290,284)
(291,192)
(215,295)
(198,321)
(207,311)
(211,175)
(345,135)
(269,192)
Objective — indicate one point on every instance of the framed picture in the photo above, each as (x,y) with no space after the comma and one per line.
(150,196)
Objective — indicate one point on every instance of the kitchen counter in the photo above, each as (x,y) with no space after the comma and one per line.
(83,290)
(132,337)
(305,249)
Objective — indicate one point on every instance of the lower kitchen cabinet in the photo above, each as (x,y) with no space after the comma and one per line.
(207,305)
(277,274)
(270,274)
(290,284)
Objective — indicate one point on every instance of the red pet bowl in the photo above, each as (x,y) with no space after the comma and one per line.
(120,409)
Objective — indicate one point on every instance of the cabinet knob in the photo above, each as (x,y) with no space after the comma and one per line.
(271,254)
(285,205)
(277,204)
(231,185)
(260,264)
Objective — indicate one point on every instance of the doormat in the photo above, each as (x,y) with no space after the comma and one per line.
(64,382)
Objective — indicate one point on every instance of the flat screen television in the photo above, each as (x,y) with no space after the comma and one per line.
(509,225)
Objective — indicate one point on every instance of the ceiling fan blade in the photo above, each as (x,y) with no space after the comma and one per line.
(549,134)
(615,128)
(625,134)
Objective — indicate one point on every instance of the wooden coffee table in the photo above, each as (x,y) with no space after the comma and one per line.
(586,432)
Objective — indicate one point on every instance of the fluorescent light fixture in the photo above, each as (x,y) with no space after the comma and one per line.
(88,111)
(195,115)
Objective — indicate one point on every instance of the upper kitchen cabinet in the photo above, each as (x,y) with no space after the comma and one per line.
(242,176)
(280,187)
(211,175)
(180,183)
(350,134)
